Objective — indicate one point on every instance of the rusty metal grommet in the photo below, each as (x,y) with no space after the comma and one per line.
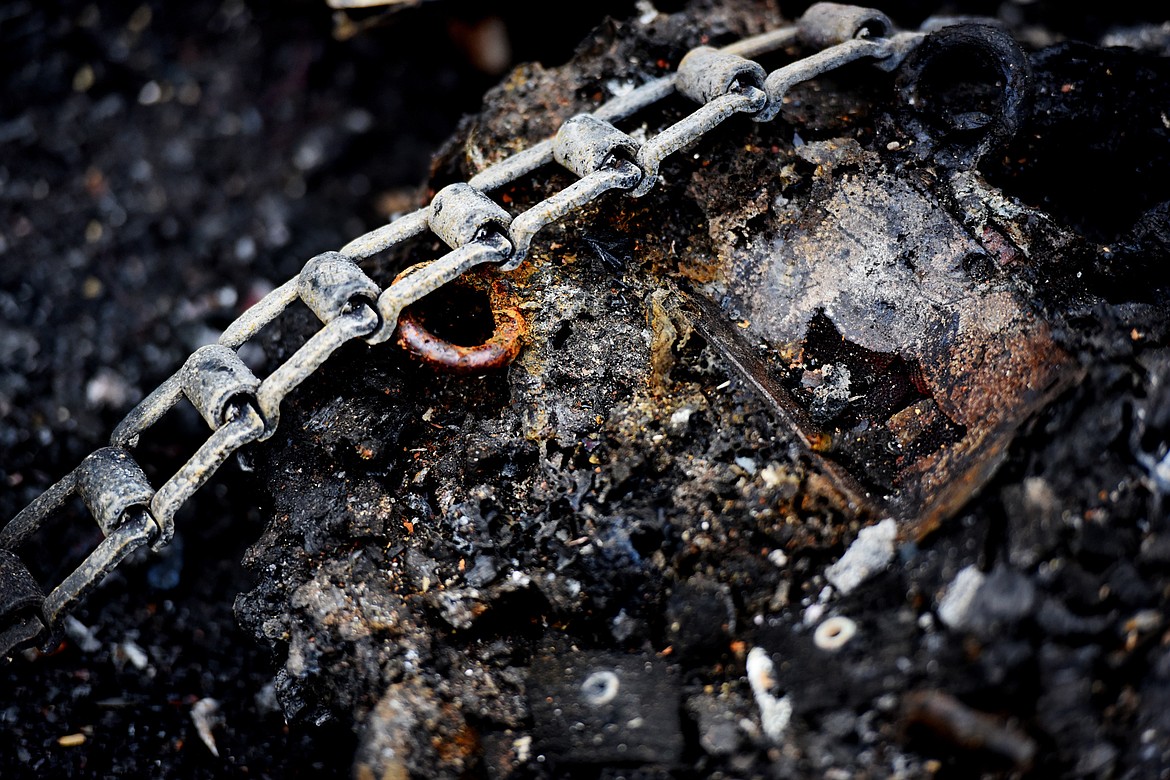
(497,352)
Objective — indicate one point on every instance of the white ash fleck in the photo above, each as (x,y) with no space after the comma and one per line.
(778,559)
(82,635)
(747,464)
(623,626)
(775,475)
(871,551)
(135,654)
(647,13)
(107,390)
(775,711)
(619,87)
(206,716)
(956,603)
(813,614)
(266,701)
(458,606)
(1159,470)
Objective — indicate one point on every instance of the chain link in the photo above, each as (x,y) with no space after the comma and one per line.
(241,409)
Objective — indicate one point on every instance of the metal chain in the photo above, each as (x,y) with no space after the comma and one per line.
(240,408)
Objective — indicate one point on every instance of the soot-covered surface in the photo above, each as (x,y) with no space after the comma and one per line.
(626,553)
(161,166)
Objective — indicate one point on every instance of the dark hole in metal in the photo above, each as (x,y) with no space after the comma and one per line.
(561,337)
(979,267)
(880,383)
(960,88)
(872,28)
(458,314)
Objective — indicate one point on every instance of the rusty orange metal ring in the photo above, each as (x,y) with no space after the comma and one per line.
(497,352)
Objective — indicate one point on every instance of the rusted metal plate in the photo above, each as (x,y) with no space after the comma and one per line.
(891,337)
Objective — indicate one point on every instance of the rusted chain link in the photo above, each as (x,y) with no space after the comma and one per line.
(241,408)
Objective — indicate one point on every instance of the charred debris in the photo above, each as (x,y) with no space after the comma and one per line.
(897,302)
(842,454)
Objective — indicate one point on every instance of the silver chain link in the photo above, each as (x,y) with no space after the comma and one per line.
(240,408)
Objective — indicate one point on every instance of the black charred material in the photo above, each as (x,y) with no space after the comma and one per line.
(818,330)
(966,92)
(975,731)
(566,567)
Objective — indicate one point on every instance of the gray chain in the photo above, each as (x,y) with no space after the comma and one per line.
(240,408)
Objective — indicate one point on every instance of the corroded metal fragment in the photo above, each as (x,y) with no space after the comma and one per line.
(901,337)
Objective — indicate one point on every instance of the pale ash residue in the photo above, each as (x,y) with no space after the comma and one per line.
(884,265)
(206,716)
(870,553)
(620,87)
(956,604)
(647,13)
(775,711)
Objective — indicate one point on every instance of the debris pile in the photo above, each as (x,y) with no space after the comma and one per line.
(842,453)
(826,452)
